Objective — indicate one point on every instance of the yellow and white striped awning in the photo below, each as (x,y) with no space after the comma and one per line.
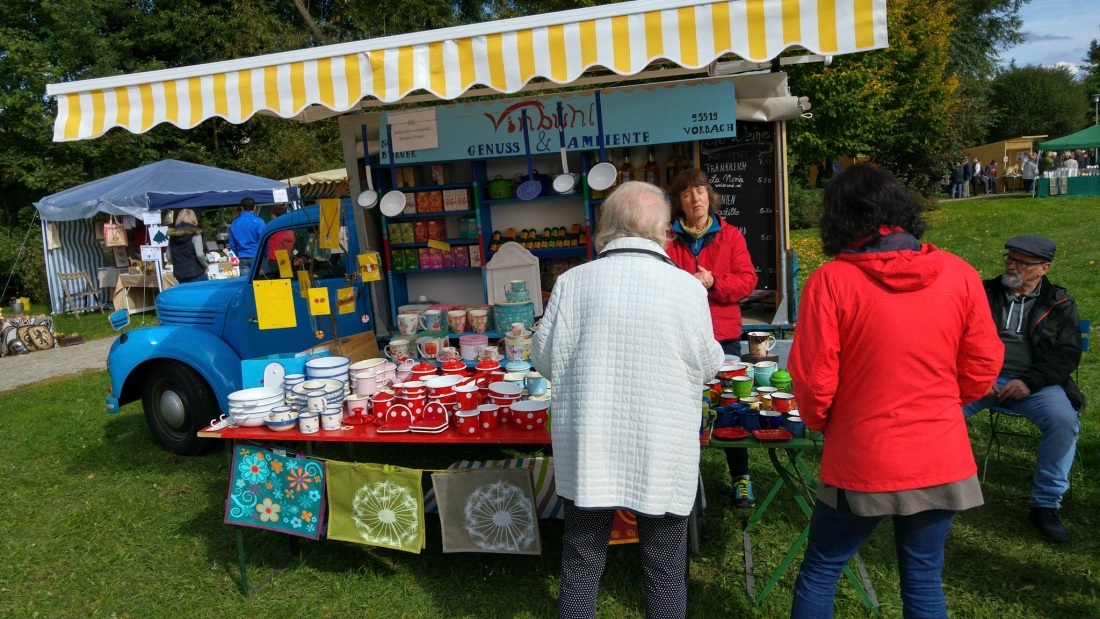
(502,55)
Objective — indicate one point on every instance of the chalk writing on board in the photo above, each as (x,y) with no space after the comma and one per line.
(742,171)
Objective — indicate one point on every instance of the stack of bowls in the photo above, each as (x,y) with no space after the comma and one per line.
(289,381)
(329,367)
(364,376)
(333,389)
(249,407)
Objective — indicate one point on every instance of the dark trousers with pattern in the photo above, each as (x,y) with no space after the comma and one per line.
(663,544)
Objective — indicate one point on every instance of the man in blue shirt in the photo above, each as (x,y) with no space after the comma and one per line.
(244,234)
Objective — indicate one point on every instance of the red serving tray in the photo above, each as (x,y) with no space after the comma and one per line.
(772,436)
(729,434)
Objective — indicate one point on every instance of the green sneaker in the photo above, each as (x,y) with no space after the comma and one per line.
(743,497)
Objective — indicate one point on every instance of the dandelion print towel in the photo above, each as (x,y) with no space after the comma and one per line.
(376,505)
(487,510)
(272,491)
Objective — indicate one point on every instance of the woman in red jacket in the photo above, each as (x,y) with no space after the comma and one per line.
(704,245)
(893,338)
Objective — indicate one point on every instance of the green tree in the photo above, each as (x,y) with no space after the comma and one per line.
(893,105)
(1036,100)
(1091,82)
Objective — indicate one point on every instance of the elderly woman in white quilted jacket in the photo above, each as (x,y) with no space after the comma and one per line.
(627,343)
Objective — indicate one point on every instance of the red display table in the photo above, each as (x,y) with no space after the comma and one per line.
(506,434)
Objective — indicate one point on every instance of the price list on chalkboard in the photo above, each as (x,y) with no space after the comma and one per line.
(742,171)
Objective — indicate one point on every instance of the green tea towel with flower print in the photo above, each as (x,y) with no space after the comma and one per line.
(270,490)
(377,505)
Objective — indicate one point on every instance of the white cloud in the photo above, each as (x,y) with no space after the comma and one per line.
(1068,66)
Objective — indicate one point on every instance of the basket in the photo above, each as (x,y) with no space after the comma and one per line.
(505,315)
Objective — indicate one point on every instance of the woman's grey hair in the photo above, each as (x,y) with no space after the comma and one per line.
(187,217)
(635,209)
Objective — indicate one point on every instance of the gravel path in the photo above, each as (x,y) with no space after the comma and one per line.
(22,370)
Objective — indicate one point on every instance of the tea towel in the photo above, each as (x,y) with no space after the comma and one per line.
(487,510)
(274,491)
(542,479)
(376,505)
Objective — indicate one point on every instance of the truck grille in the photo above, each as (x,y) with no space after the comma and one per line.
(188,317)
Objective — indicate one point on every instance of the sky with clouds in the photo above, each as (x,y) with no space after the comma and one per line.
(1059,31)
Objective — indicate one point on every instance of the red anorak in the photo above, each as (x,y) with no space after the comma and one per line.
(889,346)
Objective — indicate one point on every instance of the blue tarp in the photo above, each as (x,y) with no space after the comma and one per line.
(160,185)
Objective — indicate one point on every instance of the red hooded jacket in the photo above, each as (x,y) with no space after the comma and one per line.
(723,252)
(889,346)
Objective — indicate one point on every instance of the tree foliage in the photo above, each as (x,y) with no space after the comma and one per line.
(1035,100)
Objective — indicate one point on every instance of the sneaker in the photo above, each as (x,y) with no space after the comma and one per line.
(1048,523)
(742,494)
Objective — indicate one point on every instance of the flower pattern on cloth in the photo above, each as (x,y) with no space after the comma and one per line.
(376,505)
(268,490)
(487,510)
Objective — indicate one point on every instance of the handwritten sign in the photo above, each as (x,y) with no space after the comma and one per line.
(151,218)
(274,304)
(414,130)
(742,171)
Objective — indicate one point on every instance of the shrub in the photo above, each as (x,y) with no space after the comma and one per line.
(28,275)
(805,205)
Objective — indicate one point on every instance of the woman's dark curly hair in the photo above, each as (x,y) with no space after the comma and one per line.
(859,200)
(689,178)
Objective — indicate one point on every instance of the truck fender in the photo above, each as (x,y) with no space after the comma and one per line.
(204,352)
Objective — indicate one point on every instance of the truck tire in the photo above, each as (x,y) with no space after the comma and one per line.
(178,403)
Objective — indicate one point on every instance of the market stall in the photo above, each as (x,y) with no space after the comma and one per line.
(1071,182)
(73,219)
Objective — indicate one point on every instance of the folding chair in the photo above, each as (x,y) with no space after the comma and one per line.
(1004,422)
(79,285)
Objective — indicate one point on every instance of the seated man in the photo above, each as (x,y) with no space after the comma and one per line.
(1039,327)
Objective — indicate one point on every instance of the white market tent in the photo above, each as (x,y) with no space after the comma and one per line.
(503,56)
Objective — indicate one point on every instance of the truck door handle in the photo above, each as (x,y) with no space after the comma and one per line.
(252,319)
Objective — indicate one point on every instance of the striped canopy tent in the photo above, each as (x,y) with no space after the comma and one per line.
(502,56)
(320,185)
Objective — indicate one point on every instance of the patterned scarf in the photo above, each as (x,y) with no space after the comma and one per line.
(696,233)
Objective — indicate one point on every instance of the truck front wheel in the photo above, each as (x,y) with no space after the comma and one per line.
(178,403)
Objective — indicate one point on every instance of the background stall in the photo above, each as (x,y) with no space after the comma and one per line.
(69,236)
(1084,184)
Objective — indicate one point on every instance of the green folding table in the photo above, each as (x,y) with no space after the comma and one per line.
(796,477)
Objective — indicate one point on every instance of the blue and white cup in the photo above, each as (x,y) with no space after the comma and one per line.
(515,291)
(536,384)
(432,321)
(794,425)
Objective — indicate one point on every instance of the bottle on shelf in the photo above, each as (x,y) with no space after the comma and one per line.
(683,162)
(652,171)
(626,171)
(671,169)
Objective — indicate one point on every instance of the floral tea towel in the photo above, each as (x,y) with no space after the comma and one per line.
(487,510)
(269,490)
(376,505)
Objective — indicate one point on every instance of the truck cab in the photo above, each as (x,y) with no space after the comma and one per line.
(184,368)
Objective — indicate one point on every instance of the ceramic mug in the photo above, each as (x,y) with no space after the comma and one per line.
(782,402)
(332,420)
(478,319)
(490,352)
(315,401)
(408,323)
(428,346)
(488,416)
(536,384)
(742,386)
(431,321)
(517,329)
(398,350)
(466,422)
(764,371)
(468,397)
(308,423)
(448,353)
(456,319)
(760,343)
(515,291)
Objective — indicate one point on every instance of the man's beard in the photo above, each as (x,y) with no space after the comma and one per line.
(1012,279)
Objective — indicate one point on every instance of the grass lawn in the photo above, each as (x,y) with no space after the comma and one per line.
(102,523)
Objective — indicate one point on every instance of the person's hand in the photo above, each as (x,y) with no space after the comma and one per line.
(705,277)
(1014,389)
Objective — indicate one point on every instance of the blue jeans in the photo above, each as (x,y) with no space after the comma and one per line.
(1049,409)
(956,190)
(836,535)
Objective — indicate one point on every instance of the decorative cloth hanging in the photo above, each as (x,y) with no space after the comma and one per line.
(376,505)
(487,510)
(269,490)
(542,480)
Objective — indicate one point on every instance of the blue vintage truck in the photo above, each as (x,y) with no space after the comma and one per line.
(184,368)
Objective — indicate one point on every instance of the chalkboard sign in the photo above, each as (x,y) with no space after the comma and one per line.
(742,171)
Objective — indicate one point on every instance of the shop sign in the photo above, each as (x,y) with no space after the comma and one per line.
(637,116)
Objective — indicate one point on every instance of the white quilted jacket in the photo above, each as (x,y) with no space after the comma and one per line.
(627,343)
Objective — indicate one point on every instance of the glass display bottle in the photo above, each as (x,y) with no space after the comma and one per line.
(626,171)
(652,172)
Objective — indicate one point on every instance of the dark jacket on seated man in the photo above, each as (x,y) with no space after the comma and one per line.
(1054,332)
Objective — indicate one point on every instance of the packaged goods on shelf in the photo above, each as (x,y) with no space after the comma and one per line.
(429,202)
(437,229)
(410,203)
(412,260)
(447,258)
(424,257)
(461,257)
(420,231)
(475,256)
(408,234)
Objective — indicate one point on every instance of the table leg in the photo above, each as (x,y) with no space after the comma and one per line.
(230,447)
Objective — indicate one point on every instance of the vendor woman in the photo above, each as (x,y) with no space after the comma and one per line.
(185,250)
(703,244)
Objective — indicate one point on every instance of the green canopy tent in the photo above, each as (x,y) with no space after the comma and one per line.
(1086,138)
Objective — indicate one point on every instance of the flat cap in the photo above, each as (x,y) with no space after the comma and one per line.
(1033,245)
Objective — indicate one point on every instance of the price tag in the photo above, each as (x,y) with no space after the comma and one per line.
(318,302)
(434,244)
(283,258)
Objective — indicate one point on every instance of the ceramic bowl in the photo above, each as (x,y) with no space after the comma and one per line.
(505,389)
(257,396)
(530,415)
